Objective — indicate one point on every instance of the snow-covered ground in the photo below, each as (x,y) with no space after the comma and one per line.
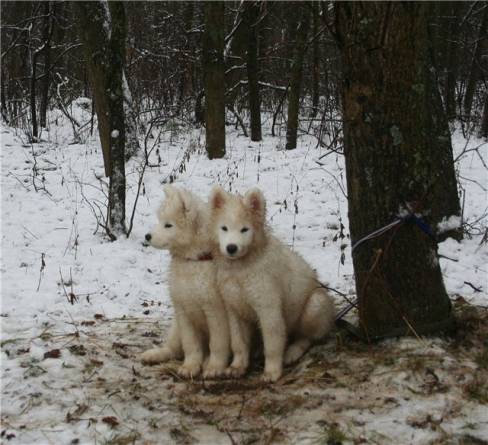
(77,309)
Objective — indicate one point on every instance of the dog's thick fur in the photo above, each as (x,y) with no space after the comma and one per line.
(263,282)
(200,323)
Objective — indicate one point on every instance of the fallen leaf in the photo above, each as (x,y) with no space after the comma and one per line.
(53,353)
(111,420)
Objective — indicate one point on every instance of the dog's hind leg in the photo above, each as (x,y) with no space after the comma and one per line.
(170,350)
(316,321)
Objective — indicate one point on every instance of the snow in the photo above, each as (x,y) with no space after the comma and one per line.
(64,284)
(451,223)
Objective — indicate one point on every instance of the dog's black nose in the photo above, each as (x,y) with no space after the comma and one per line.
(231,249)
(148,237)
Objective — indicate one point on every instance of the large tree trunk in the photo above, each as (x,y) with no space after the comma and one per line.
(214,78)
(251,15)
(104,42)
(296,76)
(393,150)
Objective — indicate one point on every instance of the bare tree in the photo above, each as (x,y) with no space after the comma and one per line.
(251,16)
(474,74)
(103,33)
(214,75)
(296,74)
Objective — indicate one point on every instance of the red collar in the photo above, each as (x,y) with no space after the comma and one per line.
(205,256)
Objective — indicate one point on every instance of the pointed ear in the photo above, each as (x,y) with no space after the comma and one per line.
(254,200)
(169,190)
(186,200)
(218,196)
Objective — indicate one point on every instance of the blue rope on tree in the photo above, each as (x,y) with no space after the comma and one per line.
(408,218)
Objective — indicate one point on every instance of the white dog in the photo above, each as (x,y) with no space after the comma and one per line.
(200,319)
(263,282)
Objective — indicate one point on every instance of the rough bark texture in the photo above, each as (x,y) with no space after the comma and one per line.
(214,74)
(393,156)
(132,142)
(251,15)
(104,41)
(296,76)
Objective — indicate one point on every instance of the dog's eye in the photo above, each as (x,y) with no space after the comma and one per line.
(168,225)
(244,230)
(224,228)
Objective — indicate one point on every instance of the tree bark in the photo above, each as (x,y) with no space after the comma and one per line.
(296,77)
(103,33)
(251,15)
(214,78)
(392,151)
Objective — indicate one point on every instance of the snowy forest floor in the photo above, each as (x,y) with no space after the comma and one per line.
(77,310)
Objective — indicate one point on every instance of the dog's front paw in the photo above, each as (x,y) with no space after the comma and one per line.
(272,373)
(155,356)
(213,370)
(235,371)
(189,370)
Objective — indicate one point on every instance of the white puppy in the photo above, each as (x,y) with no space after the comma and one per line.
(200,319)
(265,283)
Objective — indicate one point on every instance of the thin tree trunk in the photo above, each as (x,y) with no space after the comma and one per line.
(132,142)
(392,164)
(48,25)
(117,117)
(214,78)
(296,77)
(484,119)
(474,74)
(315,60)
(452,62)
(35,131)
(251,15)
(104,42)
(3,98)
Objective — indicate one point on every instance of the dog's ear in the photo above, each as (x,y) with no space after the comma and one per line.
(254,200)
(218,197)
(186,201)
(169,190)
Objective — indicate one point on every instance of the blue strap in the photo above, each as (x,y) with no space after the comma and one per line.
(420,223)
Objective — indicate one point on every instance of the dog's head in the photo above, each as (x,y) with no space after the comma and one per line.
(178,220)
(238,222)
